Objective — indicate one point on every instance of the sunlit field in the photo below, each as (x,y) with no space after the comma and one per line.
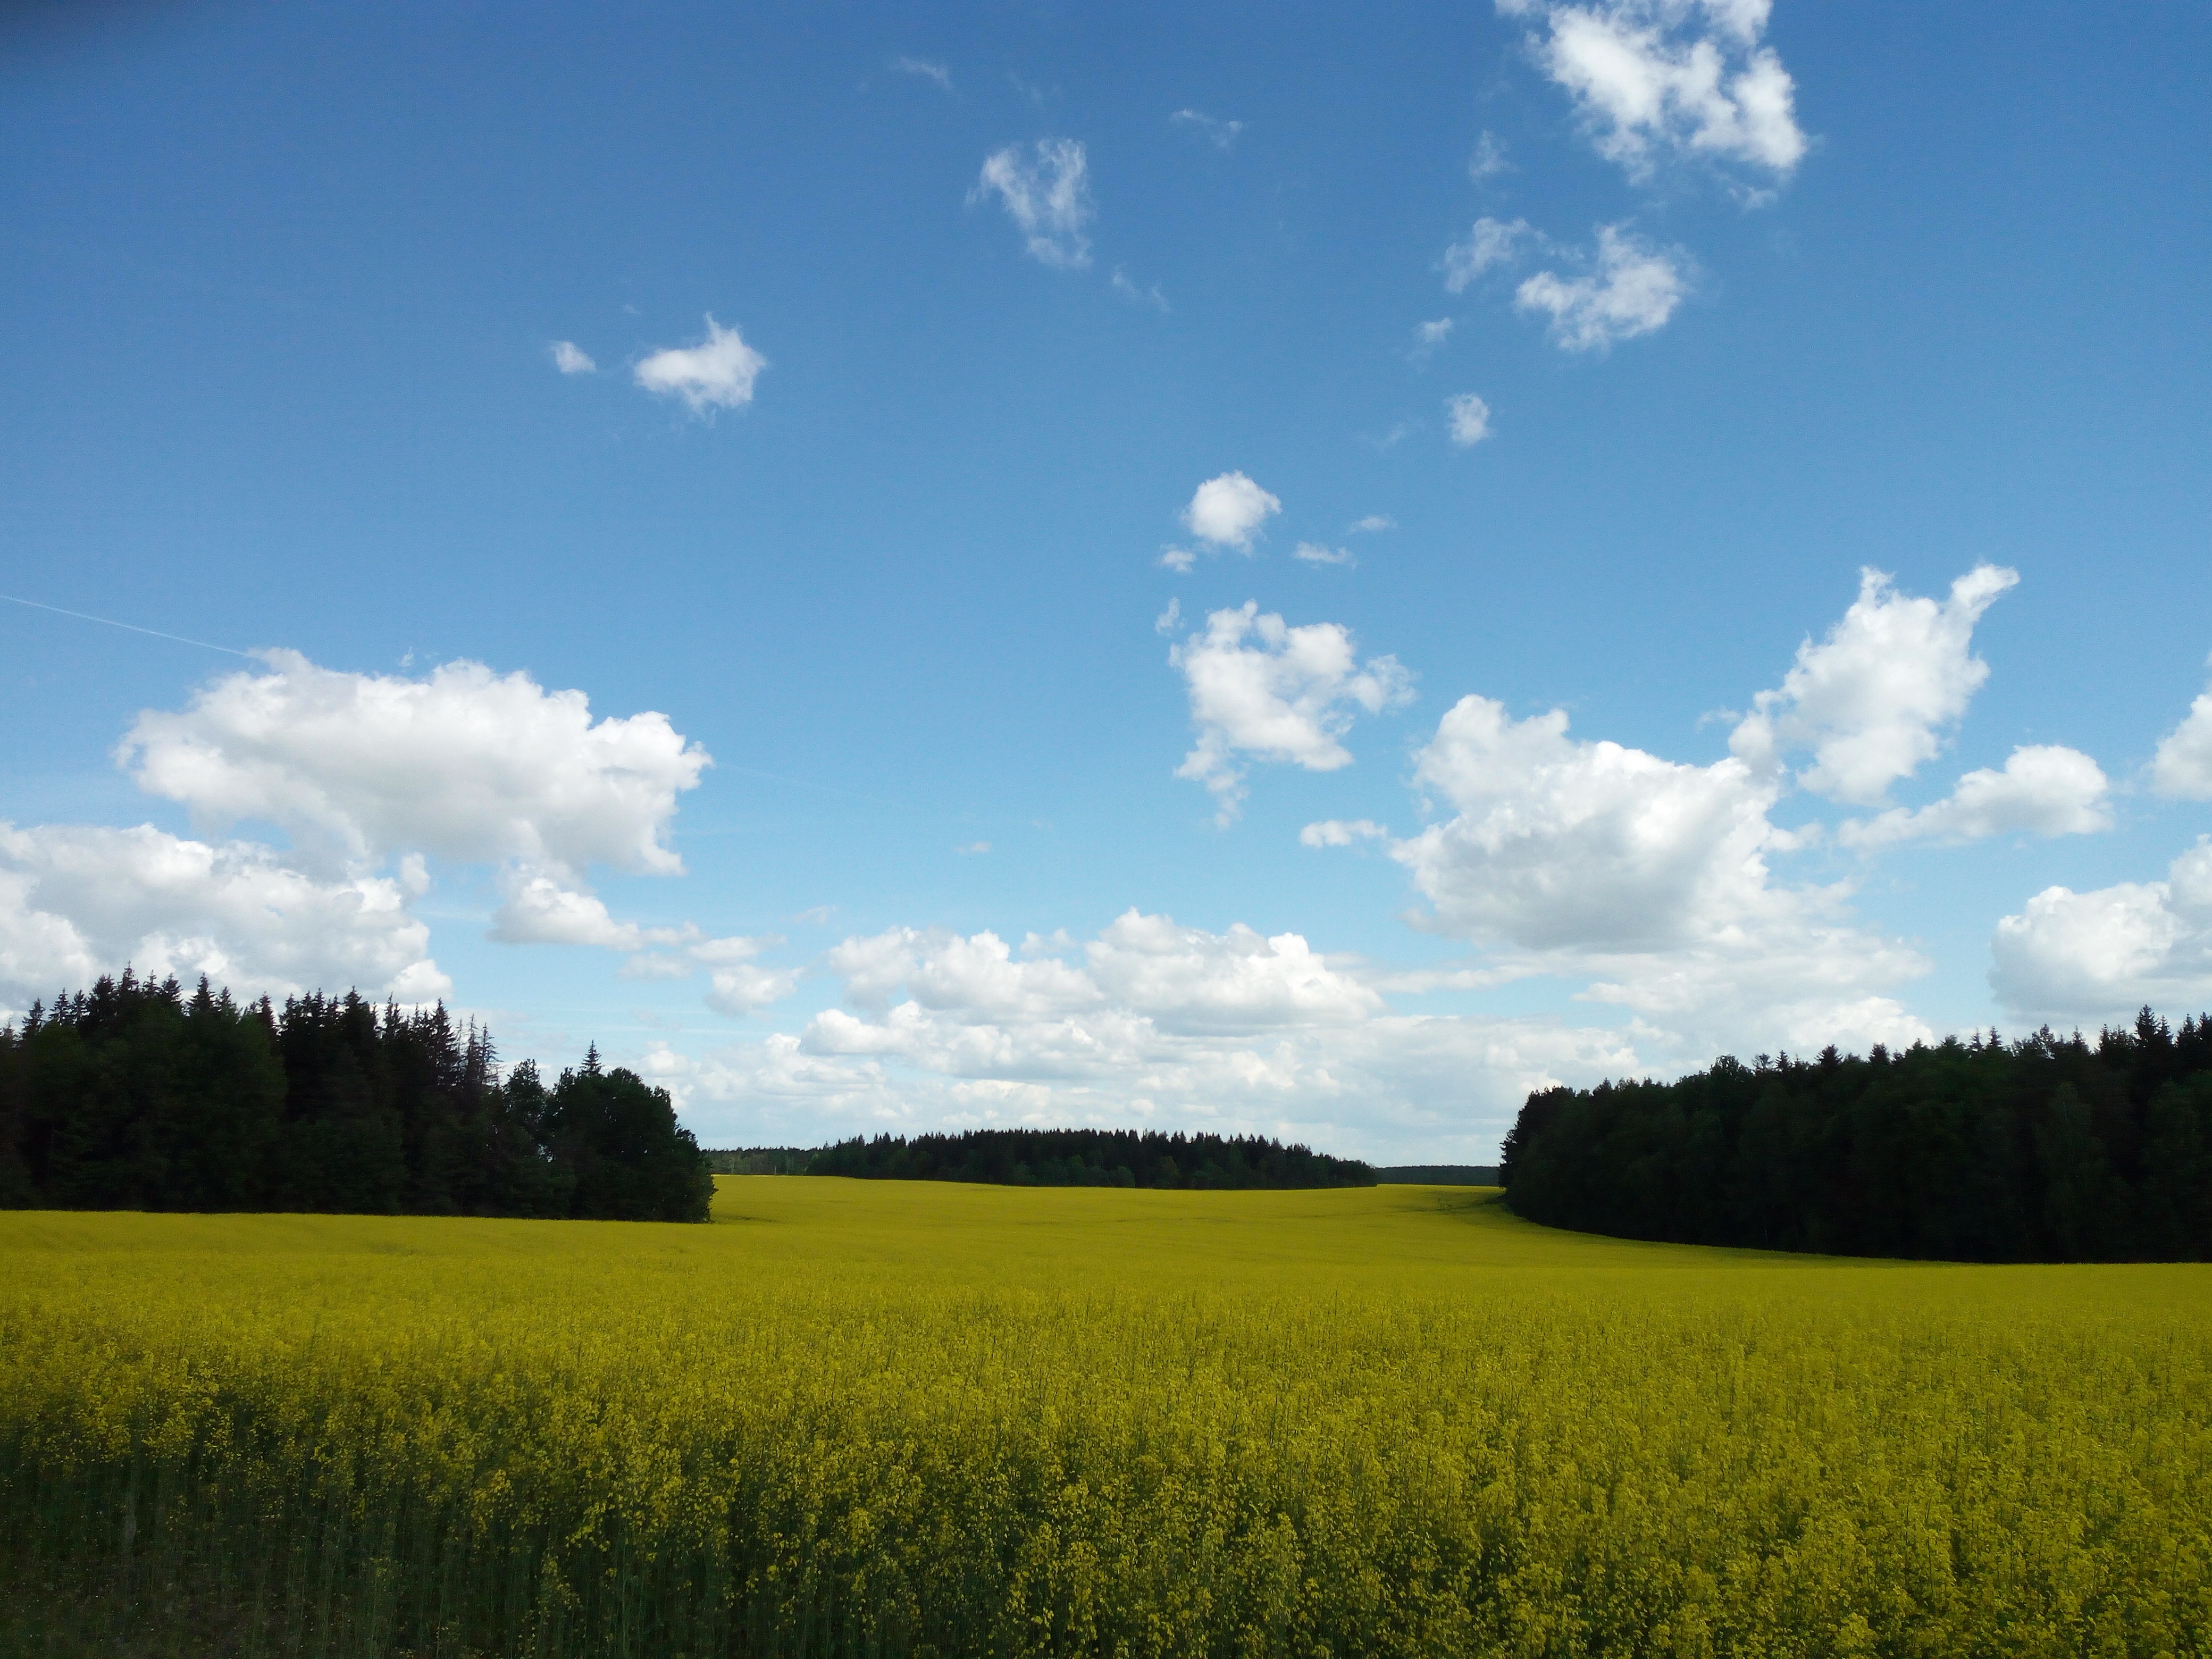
(877,1418)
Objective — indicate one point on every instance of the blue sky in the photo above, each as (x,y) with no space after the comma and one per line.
(924,358)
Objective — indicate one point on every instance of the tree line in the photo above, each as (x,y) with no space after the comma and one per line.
(2045,1149)
(1089,1157)
(135,1095)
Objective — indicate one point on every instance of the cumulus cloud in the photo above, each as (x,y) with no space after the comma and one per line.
(2098,957)
(716,374)
(536,908)
(927,70)
(1469,419)
(1047,193)
(1634,290)
(539,911)
(1337,832)
(1875,699)
(2182,768)
(1649,879)
(79,901)
(1560,843)
(1260,689)
(463,763)
(1315,553)
(2043,790)
(1492,242)
(1221,134)
(736,983)
(1656,79)
(1228,510)
(571,359)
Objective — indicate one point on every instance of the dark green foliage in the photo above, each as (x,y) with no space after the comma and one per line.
(2051,1149)
(1090,1157)
(133,1095)
(619,1134)
(758,1160)
(1437,1174)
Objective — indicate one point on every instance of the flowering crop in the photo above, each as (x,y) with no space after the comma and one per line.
(882,1418)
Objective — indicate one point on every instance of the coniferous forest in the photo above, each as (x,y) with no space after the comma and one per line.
(2048,1149)
(137,1095)
(1090,1157)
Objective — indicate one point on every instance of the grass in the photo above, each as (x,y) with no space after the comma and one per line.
(885,1418)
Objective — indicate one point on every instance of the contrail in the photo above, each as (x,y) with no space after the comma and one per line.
(110,622)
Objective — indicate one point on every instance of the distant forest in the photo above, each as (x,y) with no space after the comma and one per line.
(1090,1157)
(135,1095)
(2047,1149)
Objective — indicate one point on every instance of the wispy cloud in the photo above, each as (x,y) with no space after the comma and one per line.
(1142,296)
(1221,134)
(571,359)
(1315,553)
(1489,158)
(1634,290)
(1492,242)
(1372,524)
(1047,193)
(925,69)
(1427,336)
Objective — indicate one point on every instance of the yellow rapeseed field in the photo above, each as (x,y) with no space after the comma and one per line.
(890,1419)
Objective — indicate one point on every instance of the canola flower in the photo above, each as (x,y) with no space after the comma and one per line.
(877,1418)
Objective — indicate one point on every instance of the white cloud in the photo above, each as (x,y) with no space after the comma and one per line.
(2099,956)
(736,983)
(1228,511)
(1229,1032)
(1337,832)
(1143,296)
(1652,79)
(1492,242)
(77,900)
(925,69)
(570,359)
(1048,195)
(1373,524)
(1315,553)
(1558,843)
(1634,290)
(1428,336)
(1649,880)
(746,988)
(2182,768)
(1470,417)
(1873,701)
(1488,160)
(1177,559)
(716,374)
(536,908)
(1261,689)
(463,763)
(1222,135)
(1170,619)
(2043,790)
